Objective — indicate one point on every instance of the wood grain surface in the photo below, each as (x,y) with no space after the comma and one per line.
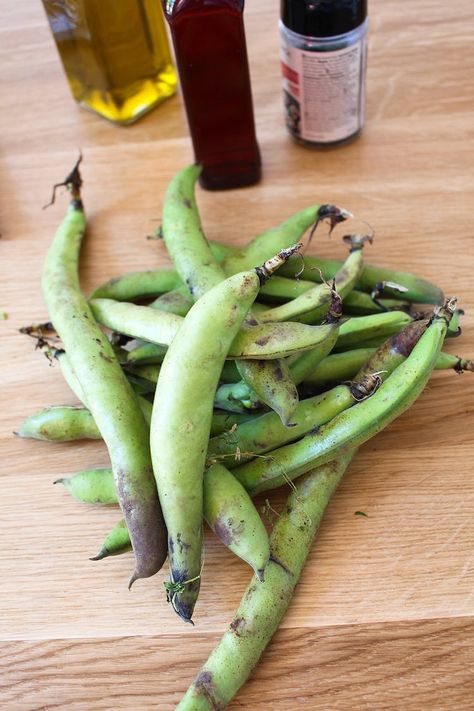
(383,616)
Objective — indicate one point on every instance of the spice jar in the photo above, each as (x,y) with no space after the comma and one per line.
(323,61)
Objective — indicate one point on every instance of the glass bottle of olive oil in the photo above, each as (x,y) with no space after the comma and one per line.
(115,54)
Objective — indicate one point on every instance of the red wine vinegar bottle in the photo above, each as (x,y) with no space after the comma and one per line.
(211,56)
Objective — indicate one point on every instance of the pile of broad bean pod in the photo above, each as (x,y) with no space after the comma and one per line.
(231,382)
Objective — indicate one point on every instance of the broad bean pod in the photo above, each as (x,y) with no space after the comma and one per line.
(107,392)
(182,416)
(356,425)
(195,263)
(313,303)
(264,604)
(62,423)
(264,245)
(227,507)
(261,342)
(263,434)
(358,329)
(236,395)
(67,423)
(416,289)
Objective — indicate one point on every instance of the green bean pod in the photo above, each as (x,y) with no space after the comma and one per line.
(261,342)
(264,245)
(182,416)
(313,303)
(228,510)
(67,423)
(116,542)
(195,263)
(144,353)
(358,303)
(416,289)
(108,395)
(231,514)
(138,285)
(62,423)
(337,367)
(264,604)
(237,396)
(281,289)
(357,330)
(178,301)
(262,434)
(183,235)
(269,381)
(356,425)
(92,486)
(147,372)
(265,433)
(446,361)
(224,421)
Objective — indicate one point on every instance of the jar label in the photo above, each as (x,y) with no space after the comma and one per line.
(323,91)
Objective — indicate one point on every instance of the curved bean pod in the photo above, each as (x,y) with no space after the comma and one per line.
(178,301)
(228,510)
(263,434)
(359,329)
(181,421)
(264,245)
(116,542)
(358,303)
(356,425)
(184,238)
(264,604)
(261,342)
(78,423)
(313,303)
(107,392)
(281,289)
(418,290)
(200,271)
(338,367)
(145,353)
(138,285)
(268,381)
(63,423)
(235,397)
(92,486)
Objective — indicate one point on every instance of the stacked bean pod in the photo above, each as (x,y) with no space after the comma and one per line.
(230,382)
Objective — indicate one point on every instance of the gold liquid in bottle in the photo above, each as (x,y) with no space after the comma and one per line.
(115,54)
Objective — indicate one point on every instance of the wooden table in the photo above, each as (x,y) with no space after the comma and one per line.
(383,616)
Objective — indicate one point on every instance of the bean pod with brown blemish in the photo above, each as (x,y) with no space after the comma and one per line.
(264,604)
(107,393)
(200,271)
(182,416)
(228,510)
(356,425)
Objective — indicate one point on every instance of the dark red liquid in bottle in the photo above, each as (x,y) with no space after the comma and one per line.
(211,55)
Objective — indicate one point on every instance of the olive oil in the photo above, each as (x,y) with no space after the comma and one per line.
(115,54)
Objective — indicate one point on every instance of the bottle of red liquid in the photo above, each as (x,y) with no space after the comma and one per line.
(211,55)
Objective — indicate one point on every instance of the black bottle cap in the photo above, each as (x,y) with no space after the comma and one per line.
(323,18)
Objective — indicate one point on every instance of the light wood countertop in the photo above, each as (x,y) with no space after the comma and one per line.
(383,616)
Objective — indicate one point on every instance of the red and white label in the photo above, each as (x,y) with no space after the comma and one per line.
(323,91)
